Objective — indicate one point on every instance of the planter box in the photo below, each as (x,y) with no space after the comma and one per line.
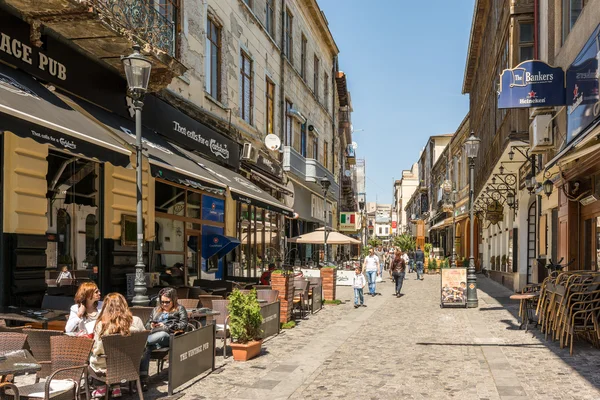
(285,285)
(329,276)
(246,351)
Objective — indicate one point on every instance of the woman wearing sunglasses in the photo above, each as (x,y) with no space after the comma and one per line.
(167,318)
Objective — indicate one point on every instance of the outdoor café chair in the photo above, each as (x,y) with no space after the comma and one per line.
(123,355)
(143,313)
(189,303)
(206,300)
(13,329)
(262,287)
(11,341)
(39,344)
(222,322)
(583,321)
(270,296)
(69,363)
(183,292)
(301,295)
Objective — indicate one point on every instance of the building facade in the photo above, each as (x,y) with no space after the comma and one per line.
(403,191)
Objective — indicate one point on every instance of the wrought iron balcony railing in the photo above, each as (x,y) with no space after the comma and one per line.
(155,23)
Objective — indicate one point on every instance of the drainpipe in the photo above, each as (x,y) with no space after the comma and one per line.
(282,74)
(536,27)
(334,69)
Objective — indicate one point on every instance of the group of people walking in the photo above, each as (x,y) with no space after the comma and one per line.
(395,261)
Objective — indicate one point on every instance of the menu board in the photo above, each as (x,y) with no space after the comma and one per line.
(454,287)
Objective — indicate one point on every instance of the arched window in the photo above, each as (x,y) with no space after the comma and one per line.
(63,230)
(90,238)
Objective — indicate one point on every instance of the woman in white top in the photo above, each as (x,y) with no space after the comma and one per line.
(85,311)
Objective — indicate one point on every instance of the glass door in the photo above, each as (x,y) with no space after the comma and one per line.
(192,256)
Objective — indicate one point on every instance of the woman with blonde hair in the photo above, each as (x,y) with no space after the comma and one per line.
(85,311)
(115,319)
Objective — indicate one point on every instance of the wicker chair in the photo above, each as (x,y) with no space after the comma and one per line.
(11,341)
(270,296)
(301,295)
(143,313)
(183,292)
(123,356)
(262,287)
(14,329)
(189,303)
(195,292)
(222,322)
(206,300)
(39,344)
(69,355)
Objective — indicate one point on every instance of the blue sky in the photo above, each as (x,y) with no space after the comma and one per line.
(405,66)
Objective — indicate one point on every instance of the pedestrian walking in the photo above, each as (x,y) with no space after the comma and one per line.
(398,271)
(419,260)
(380,252)
(358,283)
(371,266)
(411,261)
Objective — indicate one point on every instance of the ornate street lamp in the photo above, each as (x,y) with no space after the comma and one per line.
(511,154)
(548,187)
(361,207)
(325,183)
(453,198)
(137,71)
(530,183)
(510,199)
(471,150)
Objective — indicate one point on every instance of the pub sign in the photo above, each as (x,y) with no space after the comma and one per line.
(532,84)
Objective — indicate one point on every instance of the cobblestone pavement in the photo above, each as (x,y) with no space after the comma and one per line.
(406,348)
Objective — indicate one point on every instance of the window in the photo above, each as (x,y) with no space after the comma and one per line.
(326,91)
(387,230)
(303,58)
(213,55)
(526,41)
(270,105)
(303,140)
(571,11)
(246,87)
(315,149)
(380,230)
(248,3)
(325,156)
(288,46)
(169,10)
(289,128)
(270,17)
(316,78)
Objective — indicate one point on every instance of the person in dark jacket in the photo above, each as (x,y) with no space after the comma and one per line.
(167,318)
(398,269)
(419,260)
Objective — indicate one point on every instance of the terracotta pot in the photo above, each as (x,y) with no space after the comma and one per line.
(246,351)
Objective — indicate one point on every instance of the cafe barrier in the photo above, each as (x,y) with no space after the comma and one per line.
(190,355)
(271,319)
(317,298)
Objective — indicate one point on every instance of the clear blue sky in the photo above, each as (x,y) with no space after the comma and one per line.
(404,62)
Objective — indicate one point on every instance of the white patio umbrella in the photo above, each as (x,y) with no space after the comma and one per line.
(317,237)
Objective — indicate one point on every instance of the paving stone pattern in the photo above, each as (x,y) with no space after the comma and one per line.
(406,348)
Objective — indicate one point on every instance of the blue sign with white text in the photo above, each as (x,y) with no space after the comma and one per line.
(583,100)
(213,209)
(532,84)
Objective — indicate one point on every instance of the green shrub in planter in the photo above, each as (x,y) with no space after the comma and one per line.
(244,316)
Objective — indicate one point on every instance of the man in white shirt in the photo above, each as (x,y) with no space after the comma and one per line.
(371,266)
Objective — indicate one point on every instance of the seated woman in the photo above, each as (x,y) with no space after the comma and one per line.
(167,318)
(115,318)
(85,311)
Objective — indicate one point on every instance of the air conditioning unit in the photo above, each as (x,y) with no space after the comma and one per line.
(249,152)
(540,133)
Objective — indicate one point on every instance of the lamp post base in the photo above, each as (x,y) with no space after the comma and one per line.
(140,299)
(472,301)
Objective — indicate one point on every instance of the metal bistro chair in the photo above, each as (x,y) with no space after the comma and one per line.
(39,344)
(222,322)
(69,363)
(123,356)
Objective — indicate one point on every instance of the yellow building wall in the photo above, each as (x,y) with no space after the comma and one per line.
(120,199)
(25,169)
(230,215)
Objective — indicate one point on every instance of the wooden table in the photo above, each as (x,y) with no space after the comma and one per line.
(525,299)
(19,362)
(33,315)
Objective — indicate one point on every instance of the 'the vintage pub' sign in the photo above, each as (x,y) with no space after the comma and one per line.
(532,84)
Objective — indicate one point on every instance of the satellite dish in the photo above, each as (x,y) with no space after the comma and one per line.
(348,173)
(272,142)
(354,145)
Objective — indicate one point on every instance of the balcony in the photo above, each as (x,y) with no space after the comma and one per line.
(107,29)
(308,170)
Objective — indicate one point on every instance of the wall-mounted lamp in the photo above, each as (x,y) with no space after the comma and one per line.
(510,199)
(511,154)
(548,187)
(530,183)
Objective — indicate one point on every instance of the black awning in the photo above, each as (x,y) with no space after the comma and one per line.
(166,161)
(29,110)
(241,188)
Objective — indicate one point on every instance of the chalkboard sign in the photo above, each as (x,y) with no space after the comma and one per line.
(317,298)
(271,317)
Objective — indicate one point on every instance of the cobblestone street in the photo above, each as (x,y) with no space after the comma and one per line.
(406,348)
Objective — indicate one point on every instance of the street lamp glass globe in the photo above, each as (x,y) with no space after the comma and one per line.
(510,199)
(530,183)
(137,71)
(511,154)
(325,183)
(548,186)
(472,146)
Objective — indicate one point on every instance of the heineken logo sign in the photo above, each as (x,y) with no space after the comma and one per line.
(532,84)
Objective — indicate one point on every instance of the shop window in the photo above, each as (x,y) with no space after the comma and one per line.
(193,205)
(526,43)
(170,199)
(63,231)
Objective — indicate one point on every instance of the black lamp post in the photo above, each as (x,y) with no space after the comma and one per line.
(453,198)
(325,183)
(137,71)
(471,150)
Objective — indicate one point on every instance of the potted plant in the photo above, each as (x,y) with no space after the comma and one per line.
(244,324)
(433,266)
(427,251)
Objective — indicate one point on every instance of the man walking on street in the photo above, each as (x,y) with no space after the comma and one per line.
(371,266)
(419,259)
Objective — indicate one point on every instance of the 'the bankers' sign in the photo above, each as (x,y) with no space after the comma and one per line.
(532,84)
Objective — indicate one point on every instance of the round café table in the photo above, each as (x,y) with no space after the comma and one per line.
(18,362)
(526,299)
